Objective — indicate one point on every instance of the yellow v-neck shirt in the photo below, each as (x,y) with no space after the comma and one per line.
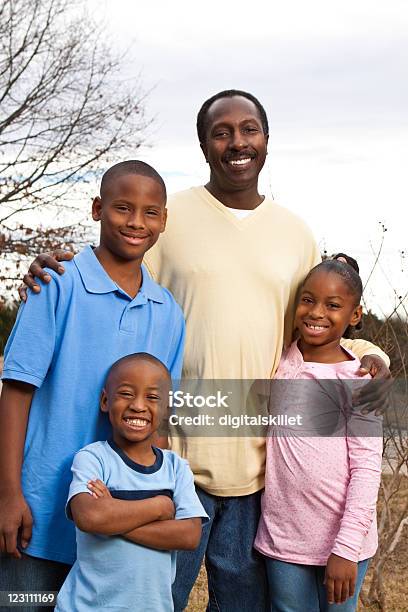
(236,281)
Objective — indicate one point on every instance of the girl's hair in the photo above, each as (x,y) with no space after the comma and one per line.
(349,272)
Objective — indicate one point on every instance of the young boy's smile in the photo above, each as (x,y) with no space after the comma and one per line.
(136,398)
(132,214)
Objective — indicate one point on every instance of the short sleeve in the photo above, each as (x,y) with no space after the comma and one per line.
(185,498)
(178,339)
(85,467)
(30,347)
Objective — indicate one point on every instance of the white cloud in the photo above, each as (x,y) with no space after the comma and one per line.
(332,77)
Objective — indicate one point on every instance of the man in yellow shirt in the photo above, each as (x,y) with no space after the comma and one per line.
(233,259)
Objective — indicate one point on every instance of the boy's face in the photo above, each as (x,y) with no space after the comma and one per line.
(136,398)
(132,214)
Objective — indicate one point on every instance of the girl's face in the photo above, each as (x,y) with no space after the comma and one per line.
(325,309)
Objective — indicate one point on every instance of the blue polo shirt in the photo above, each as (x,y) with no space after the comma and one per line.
(111,572)
(63,342)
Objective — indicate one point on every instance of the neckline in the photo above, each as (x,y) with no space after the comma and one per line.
(137,467)
(212,201)
(339,364)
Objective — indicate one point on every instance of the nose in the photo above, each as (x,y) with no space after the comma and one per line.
(136,219)
(238,140)
(317,311)
(137,404)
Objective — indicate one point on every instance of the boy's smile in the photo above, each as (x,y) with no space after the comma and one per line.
(132,214)
(135,397)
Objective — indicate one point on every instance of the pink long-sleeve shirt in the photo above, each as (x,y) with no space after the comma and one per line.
(320,490)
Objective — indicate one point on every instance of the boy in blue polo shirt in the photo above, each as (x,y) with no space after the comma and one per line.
(143,504)
(105,306)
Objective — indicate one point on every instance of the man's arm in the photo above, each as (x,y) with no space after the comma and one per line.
(363,348)
(109,516)
(374,361)
(182,534)
(15,514)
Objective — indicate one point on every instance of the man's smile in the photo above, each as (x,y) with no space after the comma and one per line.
(240,162)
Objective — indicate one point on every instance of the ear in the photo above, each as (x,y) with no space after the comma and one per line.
(103,402)
(203,147)
(96,209)
(356,316)
(267,141)
(164,221)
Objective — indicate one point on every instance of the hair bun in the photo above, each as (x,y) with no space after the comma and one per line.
(344,258)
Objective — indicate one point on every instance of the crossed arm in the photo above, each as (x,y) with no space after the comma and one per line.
(149,522)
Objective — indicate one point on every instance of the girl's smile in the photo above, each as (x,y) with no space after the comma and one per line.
(325,309)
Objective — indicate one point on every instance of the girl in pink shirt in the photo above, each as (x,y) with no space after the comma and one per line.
(318,524)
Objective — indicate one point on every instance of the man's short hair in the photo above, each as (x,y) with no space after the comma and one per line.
(132,166)
(228,93)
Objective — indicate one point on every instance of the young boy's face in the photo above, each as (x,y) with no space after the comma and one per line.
(132,213)
(136,398)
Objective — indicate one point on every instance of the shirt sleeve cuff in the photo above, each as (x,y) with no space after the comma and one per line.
(72,493)
(193,514)
(31,379)
(345,552)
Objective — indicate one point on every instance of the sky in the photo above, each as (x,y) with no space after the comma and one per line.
(333,79)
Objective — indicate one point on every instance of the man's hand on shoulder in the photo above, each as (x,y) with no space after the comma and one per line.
(375,394)
(36,270)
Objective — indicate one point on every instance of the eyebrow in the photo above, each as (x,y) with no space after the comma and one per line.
(120,200)
(328,297)
(222,122)
(128,384)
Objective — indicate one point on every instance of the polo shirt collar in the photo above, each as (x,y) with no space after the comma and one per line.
(96,280)
(150,289)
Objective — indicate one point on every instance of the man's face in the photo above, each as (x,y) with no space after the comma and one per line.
(235,145)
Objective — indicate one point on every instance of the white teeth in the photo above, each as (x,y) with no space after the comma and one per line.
(315,326)
(136,422)
(239,162)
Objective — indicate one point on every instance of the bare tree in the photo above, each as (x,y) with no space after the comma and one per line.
(392,333)
(66,108)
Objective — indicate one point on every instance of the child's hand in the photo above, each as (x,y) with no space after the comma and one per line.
(340,579)
(15,518)
(167,508)
(98,488)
